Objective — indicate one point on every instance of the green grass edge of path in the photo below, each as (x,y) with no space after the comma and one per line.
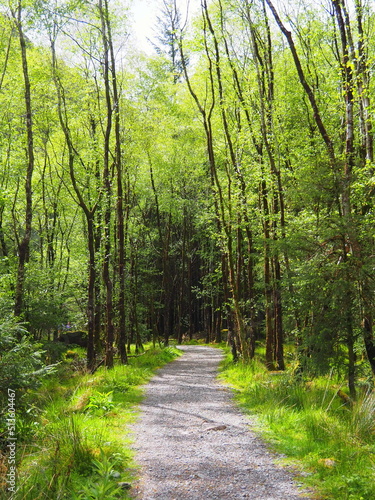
(331,443)
(80,447)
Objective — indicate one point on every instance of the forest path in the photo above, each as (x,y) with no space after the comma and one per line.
(193,443)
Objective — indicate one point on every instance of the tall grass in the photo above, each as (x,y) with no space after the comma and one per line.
(81,448)
(332,441)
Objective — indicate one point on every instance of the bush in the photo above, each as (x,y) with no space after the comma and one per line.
(21,368)
(100,402)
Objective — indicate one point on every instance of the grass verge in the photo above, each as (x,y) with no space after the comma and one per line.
(80,448)
(321,433)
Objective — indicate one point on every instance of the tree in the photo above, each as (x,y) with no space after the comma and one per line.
(23,242)
(87,205)
(350,244)
(167,29)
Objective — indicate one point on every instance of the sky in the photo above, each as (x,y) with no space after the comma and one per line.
(144,14)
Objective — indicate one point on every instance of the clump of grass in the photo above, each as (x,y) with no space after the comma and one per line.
(242,376)
(362,420)
(65,449)
(308,422)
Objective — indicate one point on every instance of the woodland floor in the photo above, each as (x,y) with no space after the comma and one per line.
(193,443)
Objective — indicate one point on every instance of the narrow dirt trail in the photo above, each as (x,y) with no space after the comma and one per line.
(193,443)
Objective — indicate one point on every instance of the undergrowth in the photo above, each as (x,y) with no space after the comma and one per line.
(329,438)
(80,449)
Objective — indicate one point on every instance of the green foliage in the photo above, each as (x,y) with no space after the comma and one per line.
(22,369)
(100,402)
(45,301)
(54,351)
(105,487)
(255,188)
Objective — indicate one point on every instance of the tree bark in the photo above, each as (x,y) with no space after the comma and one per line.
(89,212)
(122,206)
(272,269)
(107,183)
(24,244)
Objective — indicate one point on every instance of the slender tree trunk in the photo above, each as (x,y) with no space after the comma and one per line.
(24,244)
(134,297)
(225,222)
(3,244)
(368,333)
(244,202)
(91,353)
(88,212)
(107,180)
(121,211)
(350,238)
(167,282)
(366,128)
(269,311)
(272,268)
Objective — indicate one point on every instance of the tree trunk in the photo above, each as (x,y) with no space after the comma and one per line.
(89,212)
(107,180)
(24,244)
(122,211)
(225,220)
(269,311)
(265,78)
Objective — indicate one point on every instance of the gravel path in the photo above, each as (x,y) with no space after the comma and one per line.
(193,443)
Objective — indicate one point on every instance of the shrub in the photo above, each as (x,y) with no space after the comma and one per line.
(21,368)
(100,402)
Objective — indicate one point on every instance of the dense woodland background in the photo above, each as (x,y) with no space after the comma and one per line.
(222,187)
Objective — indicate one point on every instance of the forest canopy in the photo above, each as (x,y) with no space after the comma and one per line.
(221,187)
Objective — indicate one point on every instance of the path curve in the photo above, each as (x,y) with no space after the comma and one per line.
(193,443)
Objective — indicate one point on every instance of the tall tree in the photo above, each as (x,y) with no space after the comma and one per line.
(87,205)
(24,240)
(167,29)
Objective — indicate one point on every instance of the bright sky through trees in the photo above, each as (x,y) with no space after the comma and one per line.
(144,14)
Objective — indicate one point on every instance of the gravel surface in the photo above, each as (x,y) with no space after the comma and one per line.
(193,443)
